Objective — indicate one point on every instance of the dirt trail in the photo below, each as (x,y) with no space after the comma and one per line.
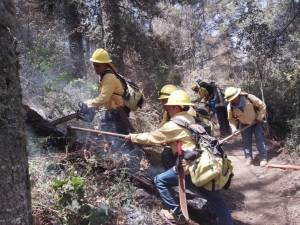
(263,196)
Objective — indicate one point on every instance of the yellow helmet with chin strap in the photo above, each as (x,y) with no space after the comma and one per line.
(195,87)
(231,93)
(100,56)
(166,91)
(180,98)
(201,91)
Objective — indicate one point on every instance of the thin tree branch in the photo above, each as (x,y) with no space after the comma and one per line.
(286,26)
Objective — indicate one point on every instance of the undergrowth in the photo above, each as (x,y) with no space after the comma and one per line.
(72,190)
(69,190)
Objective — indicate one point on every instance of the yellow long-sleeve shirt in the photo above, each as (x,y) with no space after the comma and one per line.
(110,93)
(254,110)
(169,133)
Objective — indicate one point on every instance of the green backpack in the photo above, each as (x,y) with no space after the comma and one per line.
(210,169)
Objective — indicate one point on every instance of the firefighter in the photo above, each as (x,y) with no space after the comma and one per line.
(212,96)
(245,109)
(164,94)
(168,159)
(110,94)
(177,106)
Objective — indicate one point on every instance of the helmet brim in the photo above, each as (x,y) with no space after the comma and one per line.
(101,62)
(231,98)
(163,97)
(181,104)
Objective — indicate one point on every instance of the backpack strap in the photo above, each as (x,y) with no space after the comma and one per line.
(201,136)
(181,123)
(106,72)
(187,125)
(120,77)
(254,106)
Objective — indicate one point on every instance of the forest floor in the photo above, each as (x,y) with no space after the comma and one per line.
(257,196)
(261,195)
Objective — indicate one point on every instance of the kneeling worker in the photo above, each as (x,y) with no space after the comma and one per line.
(177,106)
(168,158)
(164,94)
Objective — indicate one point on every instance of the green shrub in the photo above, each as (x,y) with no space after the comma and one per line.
(281,97)
(44,53)
(293,140)
(59,82)
(70,191)
(71,202)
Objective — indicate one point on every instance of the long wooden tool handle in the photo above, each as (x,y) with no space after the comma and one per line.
(293,167)
(181,184)
(235,133)
(98,131)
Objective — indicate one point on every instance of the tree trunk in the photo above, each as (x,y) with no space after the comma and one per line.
(15,199)
(113,35)
(72,20)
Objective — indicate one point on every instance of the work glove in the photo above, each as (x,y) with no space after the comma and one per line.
(186,156)
(86,113)
(190,155)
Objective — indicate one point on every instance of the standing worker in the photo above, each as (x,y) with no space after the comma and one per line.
(170,133)
(214,99)
(110,94)
(245,109)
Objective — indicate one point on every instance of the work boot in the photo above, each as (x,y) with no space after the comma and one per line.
(167,215)
(171,218)
(180,220)
(248,161)
(263,162)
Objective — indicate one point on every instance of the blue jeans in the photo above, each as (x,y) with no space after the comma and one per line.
(168,179)
(259,138)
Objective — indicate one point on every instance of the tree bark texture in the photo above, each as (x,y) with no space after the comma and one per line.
(72,21)
(113,35)
(15,199)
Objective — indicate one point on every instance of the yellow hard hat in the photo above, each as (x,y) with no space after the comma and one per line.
(179,97)
(100,56)
(203,93)
(231,93)
(195,87)
(166,90)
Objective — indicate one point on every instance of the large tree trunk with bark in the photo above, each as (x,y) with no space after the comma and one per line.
(15,199)
(113,35)
(72,20)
